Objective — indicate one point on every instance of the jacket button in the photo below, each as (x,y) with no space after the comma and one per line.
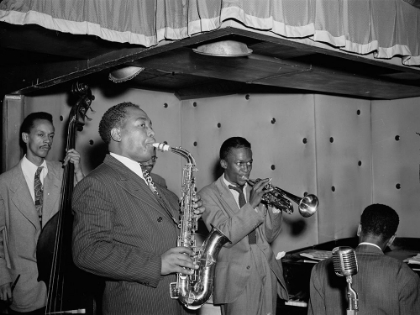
(248,267)
(159,219)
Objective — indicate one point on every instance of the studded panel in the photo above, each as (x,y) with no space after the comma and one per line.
(396,156)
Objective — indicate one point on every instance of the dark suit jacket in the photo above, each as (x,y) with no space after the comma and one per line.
(20,230)
(158,180)
(120,232)
(384,286)
(232,271)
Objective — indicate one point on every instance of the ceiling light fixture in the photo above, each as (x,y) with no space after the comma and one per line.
(224,48)
(124,74)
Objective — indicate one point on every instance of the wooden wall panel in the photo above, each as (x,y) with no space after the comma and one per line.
(12,115)
(396,156)
(280,129)
(343,140)
(162,108)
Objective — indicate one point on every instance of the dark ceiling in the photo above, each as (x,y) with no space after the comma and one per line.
(34,58)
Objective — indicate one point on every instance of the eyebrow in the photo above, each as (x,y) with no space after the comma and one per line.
(43,131)
(244,161)
(140,119)
(144,119)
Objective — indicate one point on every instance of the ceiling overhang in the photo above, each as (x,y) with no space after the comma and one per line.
(36,58)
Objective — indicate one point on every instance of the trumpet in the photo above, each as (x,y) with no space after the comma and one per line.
(279,198)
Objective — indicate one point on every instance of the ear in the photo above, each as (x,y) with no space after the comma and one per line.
(116,134)
(359,230)
(391,240)
(223,164)
(25,137)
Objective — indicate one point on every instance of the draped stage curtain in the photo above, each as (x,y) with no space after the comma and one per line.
(384,29)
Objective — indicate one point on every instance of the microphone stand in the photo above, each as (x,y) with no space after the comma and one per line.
(352,298)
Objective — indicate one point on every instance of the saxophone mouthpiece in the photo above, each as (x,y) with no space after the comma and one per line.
(162,146)
(245,178)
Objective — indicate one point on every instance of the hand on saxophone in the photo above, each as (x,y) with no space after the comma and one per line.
(198,206)
(177,260)
(257,191)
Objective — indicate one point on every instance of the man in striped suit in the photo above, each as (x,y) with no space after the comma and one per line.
(124,231)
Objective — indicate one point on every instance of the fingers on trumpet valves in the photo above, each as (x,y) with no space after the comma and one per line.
(267,186)
(254,181)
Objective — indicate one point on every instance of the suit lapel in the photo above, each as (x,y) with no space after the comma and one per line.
(227,196)
(168,208)
(136,186)
(22,198)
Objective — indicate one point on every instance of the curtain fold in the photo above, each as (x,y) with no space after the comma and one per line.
(386,29)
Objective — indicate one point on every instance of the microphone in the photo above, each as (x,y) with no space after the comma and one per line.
(345,265)
(344,260)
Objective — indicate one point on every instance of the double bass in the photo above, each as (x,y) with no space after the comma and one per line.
(69,290)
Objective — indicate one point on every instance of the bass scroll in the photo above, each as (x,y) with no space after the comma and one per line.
(193,290)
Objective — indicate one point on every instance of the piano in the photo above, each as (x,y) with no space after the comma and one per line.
(297,268)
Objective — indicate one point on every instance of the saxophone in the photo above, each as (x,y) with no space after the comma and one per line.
(193,290)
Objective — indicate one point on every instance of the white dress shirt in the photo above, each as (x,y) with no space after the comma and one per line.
(29,170)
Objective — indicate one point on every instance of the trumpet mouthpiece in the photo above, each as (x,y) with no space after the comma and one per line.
(162,146)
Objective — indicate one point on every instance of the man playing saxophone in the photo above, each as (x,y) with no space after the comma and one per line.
(248,276)
(125,227)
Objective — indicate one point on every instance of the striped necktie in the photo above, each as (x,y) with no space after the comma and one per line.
(150,182)
(39,193)
(159,198)
(252,237)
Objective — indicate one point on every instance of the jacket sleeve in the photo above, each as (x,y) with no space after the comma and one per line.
(316,302)
(234,225)
(272,224)
(94,247)
(410,294)
(5,276)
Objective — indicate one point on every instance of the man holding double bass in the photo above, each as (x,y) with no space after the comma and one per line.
(29,198)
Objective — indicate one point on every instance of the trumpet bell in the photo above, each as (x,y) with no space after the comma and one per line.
(308,205)
(280,199)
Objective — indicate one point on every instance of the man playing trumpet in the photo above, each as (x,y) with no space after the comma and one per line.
(248,276)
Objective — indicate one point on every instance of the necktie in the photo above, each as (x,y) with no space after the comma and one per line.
(150,182)
(39,193)
(252,237)
(153,188)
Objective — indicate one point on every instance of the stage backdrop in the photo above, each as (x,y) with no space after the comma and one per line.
(349,152)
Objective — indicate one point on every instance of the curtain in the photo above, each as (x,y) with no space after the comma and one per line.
(385,29)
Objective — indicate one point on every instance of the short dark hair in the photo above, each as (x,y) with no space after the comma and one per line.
(114,117)
(28,122)
(379,220)
(233,143)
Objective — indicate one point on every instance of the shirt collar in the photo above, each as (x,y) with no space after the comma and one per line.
(131,164)
(228,183)
(370,244)
(30,168)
